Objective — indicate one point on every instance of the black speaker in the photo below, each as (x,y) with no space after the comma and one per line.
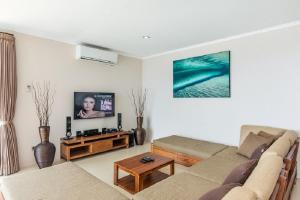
(119,121)
(131,138)
(68,128)
(68,124)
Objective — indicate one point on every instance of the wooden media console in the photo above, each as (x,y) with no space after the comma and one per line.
(82,146)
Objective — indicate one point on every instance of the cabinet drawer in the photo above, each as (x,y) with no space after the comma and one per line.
(101,146)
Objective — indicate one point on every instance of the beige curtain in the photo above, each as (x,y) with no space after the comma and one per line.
(9,160)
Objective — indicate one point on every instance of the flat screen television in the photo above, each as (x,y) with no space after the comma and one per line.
(88,105)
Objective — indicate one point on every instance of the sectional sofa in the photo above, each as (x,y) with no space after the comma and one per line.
(272,178)
(210,163)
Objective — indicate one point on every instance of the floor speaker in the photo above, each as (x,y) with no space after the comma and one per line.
(131,139)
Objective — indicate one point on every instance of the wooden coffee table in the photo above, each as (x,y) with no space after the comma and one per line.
(141,175)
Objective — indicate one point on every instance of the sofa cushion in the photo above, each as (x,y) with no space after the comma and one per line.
(219,192)
(264,177)
(64,181)
(240,173)
(251,143)
(246,129)
(178,187)
(215,168)
(240,193)
(230,153)
(280,147)
(193,147)
(268,135)
(291,136)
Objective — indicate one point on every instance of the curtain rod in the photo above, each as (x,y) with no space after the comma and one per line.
(7,33)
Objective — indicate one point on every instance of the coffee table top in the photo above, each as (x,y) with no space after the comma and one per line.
(134,166)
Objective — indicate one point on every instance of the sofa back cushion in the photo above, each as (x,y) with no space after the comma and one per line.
(240,193)
(291,136)
(267,135)
(264,177)
(280,148)
(246,129)
(240,173)
(219,192)
(251,143)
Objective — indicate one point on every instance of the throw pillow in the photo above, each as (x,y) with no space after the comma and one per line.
(269,136)
(240,173)
(251,143)
(219,192)
(259,151)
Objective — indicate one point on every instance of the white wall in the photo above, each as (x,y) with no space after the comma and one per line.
(265,88)
(265,82)
(41,59)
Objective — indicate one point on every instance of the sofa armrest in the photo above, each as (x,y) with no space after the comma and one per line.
(287,174)
(291,158)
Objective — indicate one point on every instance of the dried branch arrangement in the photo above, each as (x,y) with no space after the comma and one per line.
(43,97)
(138,100)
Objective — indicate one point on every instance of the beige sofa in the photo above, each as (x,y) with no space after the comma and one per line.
(60,182)
(272,178)
(210,173)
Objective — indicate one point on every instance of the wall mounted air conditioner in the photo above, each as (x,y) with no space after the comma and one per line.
(96,54)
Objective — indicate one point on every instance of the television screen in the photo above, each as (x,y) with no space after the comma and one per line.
(89,105)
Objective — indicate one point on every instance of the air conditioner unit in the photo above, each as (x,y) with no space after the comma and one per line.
(90,53)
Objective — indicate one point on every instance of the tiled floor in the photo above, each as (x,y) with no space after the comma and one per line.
(101,166)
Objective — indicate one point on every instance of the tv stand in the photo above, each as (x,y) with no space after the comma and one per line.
(82,146)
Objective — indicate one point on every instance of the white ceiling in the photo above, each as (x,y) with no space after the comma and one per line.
(120,24)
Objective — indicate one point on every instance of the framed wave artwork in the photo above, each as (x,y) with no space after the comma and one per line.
(202,77)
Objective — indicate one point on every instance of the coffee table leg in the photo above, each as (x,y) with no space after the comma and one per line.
(138,183)
(116,174)
(172,169)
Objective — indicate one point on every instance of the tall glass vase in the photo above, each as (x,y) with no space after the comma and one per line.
(140,132)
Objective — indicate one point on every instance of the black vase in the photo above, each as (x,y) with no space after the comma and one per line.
(44,152)
(140,132)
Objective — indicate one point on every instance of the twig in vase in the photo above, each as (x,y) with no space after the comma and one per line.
(43,97)
(138,100)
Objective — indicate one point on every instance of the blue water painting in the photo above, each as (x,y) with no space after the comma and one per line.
(202,76)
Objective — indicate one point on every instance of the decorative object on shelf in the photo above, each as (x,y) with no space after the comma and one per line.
(203,76)
(138,99)
(43,97)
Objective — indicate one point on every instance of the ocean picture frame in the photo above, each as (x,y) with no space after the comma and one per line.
(206,76)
